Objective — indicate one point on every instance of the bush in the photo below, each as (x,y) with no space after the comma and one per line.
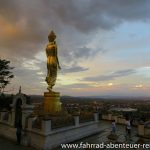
(5,101)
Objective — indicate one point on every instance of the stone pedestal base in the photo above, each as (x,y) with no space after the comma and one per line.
(52,104)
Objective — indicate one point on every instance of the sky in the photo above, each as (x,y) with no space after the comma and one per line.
(103,45)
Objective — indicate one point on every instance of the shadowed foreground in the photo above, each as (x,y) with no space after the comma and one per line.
(6,144)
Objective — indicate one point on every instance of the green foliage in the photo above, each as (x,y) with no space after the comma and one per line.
(5,74)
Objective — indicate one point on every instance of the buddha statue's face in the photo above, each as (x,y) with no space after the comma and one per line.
(52,37)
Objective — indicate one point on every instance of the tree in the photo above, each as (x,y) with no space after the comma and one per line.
(5,74)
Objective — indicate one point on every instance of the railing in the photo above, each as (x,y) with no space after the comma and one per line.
(6,117)
(59,122)
(54,123)
(147,131)
(86,117)
(33,123)
(118,119)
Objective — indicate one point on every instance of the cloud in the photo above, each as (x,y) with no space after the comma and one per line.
(144,71)
(89,15)
(84,52)
(77,85)
(74,69)
(24,25)
(76,55)
(111,76)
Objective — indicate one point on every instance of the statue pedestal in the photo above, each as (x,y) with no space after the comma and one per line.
(52,104)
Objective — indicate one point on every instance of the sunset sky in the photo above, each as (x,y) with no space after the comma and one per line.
(103,45)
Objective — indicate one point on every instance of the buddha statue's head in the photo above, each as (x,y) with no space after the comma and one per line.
(52,36)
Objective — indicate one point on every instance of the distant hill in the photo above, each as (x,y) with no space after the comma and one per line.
(36,98)
(73,99)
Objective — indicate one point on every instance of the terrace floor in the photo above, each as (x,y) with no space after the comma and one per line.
(106,130)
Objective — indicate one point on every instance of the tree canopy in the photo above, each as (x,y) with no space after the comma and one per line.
(5,74)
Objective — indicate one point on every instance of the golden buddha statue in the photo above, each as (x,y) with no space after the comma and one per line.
(52,61)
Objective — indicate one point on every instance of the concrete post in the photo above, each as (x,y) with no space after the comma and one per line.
(76,120)
(116,119)
(46,126)
(96,117)
(141,129)
(124,121)
(24,117)
(26,111)
(9,118)
(23,120)
(109,116)
(0,116)
(12,118)
(30,121)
